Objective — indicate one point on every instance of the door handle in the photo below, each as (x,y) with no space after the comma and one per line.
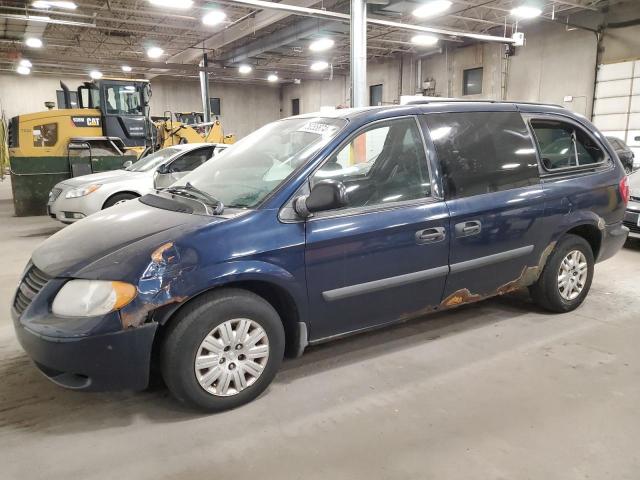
(466,229)
(430,235)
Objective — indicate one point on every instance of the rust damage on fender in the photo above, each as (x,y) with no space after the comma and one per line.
(158,283)
(528,276)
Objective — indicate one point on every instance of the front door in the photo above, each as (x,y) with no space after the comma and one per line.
(384,257)
(495,200)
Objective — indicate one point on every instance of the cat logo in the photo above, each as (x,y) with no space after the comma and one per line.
(86,121)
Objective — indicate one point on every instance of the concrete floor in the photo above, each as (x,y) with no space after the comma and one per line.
(498,390)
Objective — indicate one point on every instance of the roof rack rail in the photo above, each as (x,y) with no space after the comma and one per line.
(461,100)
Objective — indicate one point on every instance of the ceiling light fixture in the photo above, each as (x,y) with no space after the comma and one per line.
(431,9)
(321,44)
(55,4)
(22,70)
(126,68)
(177,4)
(424,40)
(273,77)
(154,52)
(319,66)
(33,42)
(95,74)
(25,63)
(214,17)
(526,11)
(244,69)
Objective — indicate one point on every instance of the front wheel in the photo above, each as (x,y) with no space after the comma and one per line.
(222,350)
(566,278)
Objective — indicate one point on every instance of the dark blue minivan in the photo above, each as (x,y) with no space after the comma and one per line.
(319,226)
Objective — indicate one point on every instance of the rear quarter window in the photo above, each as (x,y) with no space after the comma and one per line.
(483,152)
(563,145)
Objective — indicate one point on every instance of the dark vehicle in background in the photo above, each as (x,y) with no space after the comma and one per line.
(625,154)
(315,227)
(632,216)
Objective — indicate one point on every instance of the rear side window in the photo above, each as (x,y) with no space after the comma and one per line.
(483,152)
(563,145)
(191,160)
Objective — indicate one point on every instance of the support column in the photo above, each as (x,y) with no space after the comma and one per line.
(204,89)
(359,53)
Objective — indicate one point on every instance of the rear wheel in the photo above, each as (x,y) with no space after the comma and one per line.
(118,198)
(223,350)
(566,278)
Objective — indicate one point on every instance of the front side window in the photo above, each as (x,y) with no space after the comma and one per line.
(563,145)
(45,135)
(483,152)
(123,100)
(245,173)
(384,164)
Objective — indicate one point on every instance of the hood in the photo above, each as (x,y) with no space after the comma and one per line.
(101,178)
(133,227)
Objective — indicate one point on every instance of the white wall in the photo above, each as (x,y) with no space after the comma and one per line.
(244,107)
(314,94)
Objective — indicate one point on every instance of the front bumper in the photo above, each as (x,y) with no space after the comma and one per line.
(69,210)
(112,361)
(92,353)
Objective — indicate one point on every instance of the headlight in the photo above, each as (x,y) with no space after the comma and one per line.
(87,298)
(81,192)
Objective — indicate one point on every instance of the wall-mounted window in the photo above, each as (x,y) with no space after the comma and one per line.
(295,106)
(215,106)
(375,95)
(472,81)
(45,135)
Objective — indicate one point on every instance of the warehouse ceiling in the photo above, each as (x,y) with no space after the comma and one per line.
(106,35)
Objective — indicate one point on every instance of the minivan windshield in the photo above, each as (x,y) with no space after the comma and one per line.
(153,160)
(244,174)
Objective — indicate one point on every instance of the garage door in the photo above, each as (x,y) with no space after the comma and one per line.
(616,111)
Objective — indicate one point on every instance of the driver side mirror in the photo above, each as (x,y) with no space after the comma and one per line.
(325,195)
(127,164)
(163,169)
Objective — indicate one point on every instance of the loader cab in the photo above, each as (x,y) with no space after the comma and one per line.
(190,118)
(124,107)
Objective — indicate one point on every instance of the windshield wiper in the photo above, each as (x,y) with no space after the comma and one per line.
(218,206)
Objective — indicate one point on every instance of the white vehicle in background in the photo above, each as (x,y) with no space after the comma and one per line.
(75,198)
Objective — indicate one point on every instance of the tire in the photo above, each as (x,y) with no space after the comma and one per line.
(548,293)
(192,334)
(118,198)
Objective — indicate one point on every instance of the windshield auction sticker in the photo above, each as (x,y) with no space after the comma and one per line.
(318,128)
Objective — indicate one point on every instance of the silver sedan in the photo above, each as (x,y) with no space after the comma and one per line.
(75,198)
